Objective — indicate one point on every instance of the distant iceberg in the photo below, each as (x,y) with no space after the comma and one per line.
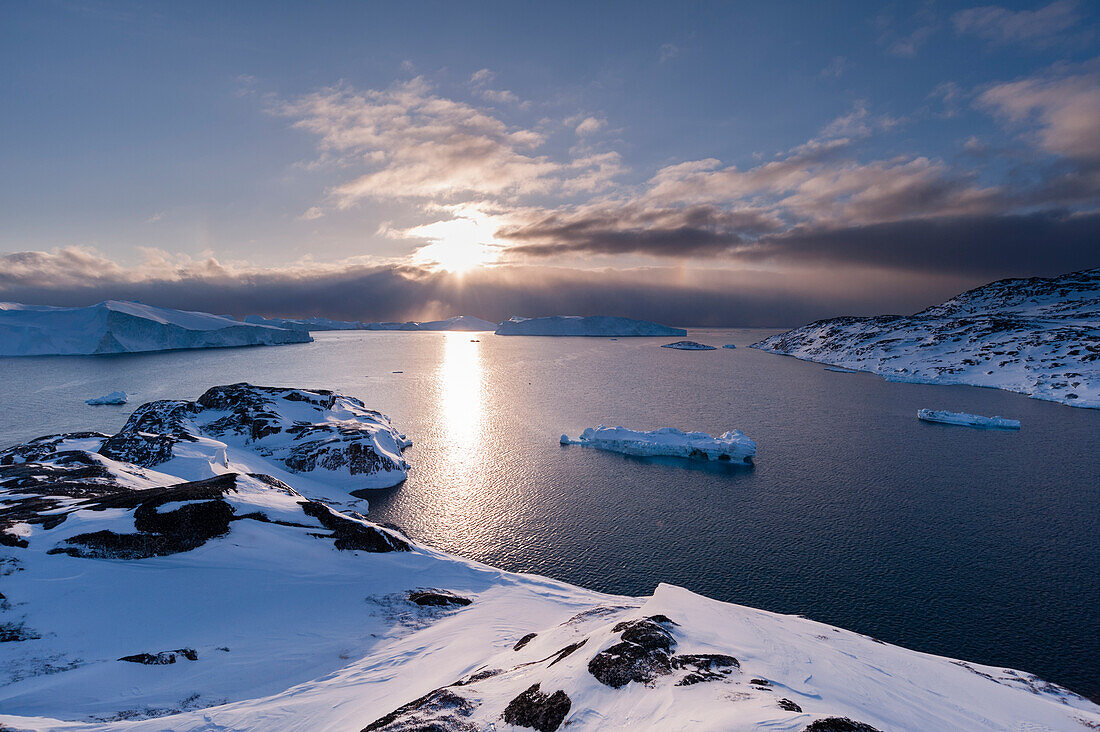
(576,325)
(689,346)
(840,370)
(729,345)
(117,326)
(732,446)
(967,420)
(458,322)
(115,397)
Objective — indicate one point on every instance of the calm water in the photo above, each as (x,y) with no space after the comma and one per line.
(974,544)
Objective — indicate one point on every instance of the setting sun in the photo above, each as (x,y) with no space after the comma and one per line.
(457,245)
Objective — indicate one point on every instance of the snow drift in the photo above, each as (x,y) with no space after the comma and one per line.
(1039,337)
(576,325)
(115,326)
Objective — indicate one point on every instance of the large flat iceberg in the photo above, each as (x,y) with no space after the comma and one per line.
(577,325)
(732,446)
(967,420)
(117,326)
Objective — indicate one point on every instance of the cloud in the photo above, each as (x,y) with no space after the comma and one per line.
(359,291)
(157,216)
(1042,27)
(1060,111)
(588,126)
(667,52)
(311,213)
(836,67)
(416,144)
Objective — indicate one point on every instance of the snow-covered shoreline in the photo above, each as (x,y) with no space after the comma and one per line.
(1039,337)
(195,535)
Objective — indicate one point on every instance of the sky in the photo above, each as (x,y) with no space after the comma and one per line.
(734,164)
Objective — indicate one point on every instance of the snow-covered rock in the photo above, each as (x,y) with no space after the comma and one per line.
(967,420)
(689,346)
(1038,336)
(729,447)
(577,325)
(115,397)
(230,594)
(125,327)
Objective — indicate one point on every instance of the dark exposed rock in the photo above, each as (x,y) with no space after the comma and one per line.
(163,658)
(568,650)
(12,540)
(14,632)
(354,535)
(524,641)
(642,655)
(539,711)
(760,682)
(437,598)
(788,705)
(704,667)
(838,724)
(479,676)
(439,711)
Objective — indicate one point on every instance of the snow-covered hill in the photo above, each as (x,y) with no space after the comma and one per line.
(576,325)
(205,569)
(115,326)
(1038,336)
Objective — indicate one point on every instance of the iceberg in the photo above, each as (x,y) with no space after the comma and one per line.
(116,326)
(840,370)
(729,345)
(732,446)
(594,326)
(115,397)
(967,420)
(689,346)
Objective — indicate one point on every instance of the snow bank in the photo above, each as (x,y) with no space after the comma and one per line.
(576,325)
(967,420)
(1036,336)
(125,327)
(689,346)
(729,447)
(115,397)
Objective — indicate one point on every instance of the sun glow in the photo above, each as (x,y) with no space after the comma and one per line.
(457,245)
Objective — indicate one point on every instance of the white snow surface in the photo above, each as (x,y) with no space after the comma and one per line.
(578,325)
(733,446)
(115,397)
(1038,336)
(116,326)
(967,420)
(689,346)
(292,633)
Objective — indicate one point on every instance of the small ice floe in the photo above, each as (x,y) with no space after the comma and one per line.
(729,345)
(689,346)
(732,446)
(115,397)
(967,420)
(840,370)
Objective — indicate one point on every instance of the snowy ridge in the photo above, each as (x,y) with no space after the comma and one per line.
(593,326)
(217,590)
(732,446)
(115,326)
(1039,337)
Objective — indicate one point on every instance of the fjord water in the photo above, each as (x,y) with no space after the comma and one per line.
(976,544)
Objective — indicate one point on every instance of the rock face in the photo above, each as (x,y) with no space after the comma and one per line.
(125,327)
(1039,337)
(304,431)
(575,325)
